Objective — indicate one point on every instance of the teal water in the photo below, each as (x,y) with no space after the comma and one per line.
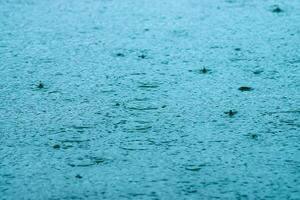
(138,99)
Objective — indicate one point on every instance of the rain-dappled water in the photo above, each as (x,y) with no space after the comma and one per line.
(140,99)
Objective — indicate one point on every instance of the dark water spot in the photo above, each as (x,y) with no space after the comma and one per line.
(254,136)
(194,167)
(277,9)
(245,88)
(57,146)
(258,72)
(81,165)
(231,113)
(163,106)
(201,71)
(117,104)
(78,176)
(238,59)
(138,74)
(142,56)
(148,86)
(204,70)
(190,190)
(142,108)
(237,49)
(146,29)
(295,61)
(98,160)
(108,91)
(54,92)
(80,127)
(120,55)
(40,85)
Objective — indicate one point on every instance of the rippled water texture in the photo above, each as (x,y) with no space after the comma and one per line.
(149,99)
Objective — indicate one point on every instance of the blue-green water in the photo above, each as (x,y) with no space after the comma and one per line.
(108,99)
